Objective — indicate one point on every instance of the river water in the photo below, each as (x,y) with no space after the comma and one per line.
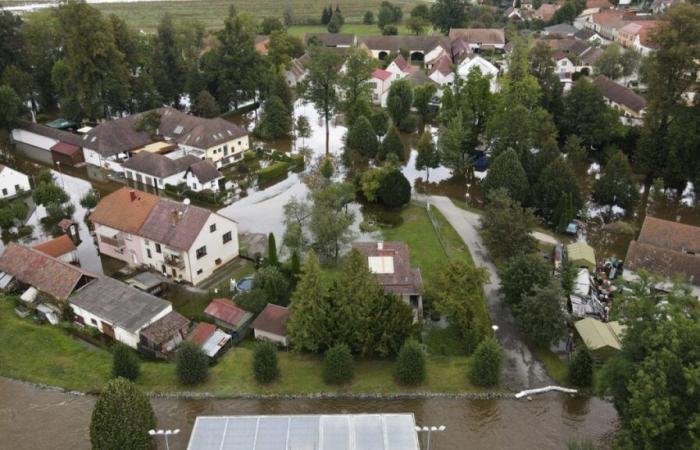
(36,419)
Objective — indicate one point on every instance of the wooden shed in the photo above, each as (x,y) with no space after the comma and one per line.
(67,154)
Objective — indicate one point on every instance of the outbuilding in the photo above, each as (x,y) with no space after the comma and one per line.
(67,154)
(581,254)
(271,325)
(228,316)
(603,339)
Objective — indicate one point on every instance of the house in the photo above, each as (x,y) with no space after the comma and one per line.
(637,36)
(391,263)
(486,68)
(602,339)
(480,39)
(381,82)
(271,325)
(599,4)
(62,248)
(24,266)
(262,44)
(668,249)
(336,40)
(581,254)
(606,23)
(12,182)
(442,72)
(182,241)
(421,49)
(203,175)
(297,70)
(588,35)
(513,14)
(36,140)
(117,309)
(159,339)
(111,143)
(546,11)
(400,68)
(630,105)
(228,316)
(157,170)
(308,432)
(419,78)
(210,339)
(560,30)
(564,68)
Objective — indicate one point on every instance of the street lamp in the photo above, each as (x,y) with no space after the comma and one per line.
(494,328)
(165,433)
(429,430)
(63,184)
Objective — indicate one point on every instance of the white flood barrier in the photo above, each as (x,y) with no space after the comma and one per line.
(542,390)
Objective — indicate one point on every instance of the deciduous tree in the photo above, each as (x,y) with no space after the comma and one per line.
(522,274)
(399,102)
(541,316)
(428,156)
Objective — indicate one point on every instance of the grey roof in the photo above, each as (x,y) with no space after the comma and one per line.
(584,34)
(205,171)
(419,78)
(409,43)
(53,133)
(159,166)
(174,224)
(313,432)
(211,132)
(118,303)
(620,94)
(563,29)
(331,39)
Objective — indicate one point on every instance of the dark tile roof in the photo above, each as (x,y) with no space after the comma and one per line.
(56,247)
(592,55)
(479,35)
(662,261)
(211,132)
(332,39)
(53,133)
(174,224)
(46,273)
(227,311)
(671,235)
(124,209)
(619,94)
(409,43)
(443,65)
(272,319)
(584,34)
(118,303)
(419,78)
(165,328)
(205,171)
(404,279)
(562,29)
(159,166)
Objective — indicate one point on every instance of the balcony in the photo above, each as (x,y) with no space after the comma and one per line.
(174,261)
(118,244)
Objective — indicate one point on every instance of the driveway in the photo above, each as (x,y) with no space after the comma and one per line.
(522,370)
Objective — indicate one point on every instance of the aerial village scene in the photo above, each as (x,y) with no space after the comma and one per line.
(357,225)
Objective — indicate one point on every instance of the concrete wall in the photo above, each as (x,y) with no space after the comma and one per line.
(271,337)
(33,139)
(13,182)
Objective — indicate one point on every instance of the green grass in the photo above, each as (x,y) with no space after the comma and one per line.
(426,251)
(445,342)
(557,368)
(47,354)
(211,13)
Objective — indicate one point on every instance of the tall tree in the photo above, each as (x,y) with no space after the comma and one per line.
(276,121)
(616,185)
(558,177)
(168,62)
(308,310)
(543,68)
(361,139)
(616,62)
(9,107)
(39,29)
(320,86)
(356,77)
(11,42)
(399,102)
(428,156)
(205,105)
(330,219)
(283,48)
(391,145)
(455,152)
(422,96)
(587,115)
(541,316)
(506,172)
(506,226)
(522,274)
(447,14)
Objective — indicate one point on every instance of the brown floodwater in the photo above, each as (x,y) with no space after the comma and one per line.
(36,419)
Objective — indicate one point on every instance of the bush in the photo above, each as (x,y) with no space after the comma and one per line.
(89,200)
(121,418)
(265,363)
(486,363)
(191,364)
(249,155)
(274,171)
(338,365)
(410,365)
(125,363)
(394,190)
(253,301)
(581,368)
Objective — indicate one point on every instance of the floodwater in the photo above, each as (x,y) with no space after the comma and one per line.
(35,419)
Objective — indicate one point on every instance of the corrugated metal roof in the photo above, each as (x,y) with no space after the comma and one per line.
(305,432)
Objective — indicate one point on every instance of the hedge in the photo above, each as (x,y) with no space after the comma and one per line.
(274,171)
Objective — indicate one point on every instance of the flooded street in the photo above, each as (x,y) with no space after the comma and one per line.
(34,419)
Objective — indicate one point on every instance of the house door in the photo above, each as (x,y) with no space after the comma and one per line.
(108,330)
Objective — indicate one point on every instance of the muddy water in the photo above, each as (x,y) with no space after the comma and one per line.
(35,419)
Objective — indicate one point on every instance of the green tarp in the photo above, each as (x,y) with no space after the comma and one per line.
(581,254)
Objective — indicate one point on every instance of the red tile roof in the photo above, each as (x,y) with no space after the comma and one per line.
(226,311)
(124,209)
(381,74)
(56,247)
(201,333)
(272,320)
(65,149)
(672,235)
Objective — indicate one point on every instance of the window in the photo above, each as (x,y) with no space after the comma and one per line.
(201,252)
(158,249)
(17,188)
(148,253)
(199,272)
(4,192)
(226,237)
(212,228)
(93,321)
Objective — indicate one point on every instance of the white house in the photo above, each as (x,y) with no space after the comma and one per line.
(381,81)
(400,68)
(12,182)
(117,309)
(564,69)
(156,170)
(442,72)
(182,241)
(486,68)
(297,70)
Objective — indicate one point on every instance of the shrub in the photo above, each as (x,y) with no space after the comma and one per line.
(410,365)
(191,364)
(125,363)
(486,363)
(121,418)
(581,368)
(248,155)
(274,171)
(338,365)
(394,190)
(253,301)
(265,363)
(89,200)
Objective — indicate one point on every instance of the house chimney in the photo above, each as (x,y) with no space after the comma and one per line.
(380,245)
(132,195)
(175,217)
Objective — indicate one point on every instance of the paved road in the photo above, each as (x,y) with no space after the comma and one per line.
(522,370)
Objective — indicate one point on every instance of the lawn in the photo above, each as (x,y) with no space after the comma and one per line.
(146,15)
(427,252)
(47,354)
